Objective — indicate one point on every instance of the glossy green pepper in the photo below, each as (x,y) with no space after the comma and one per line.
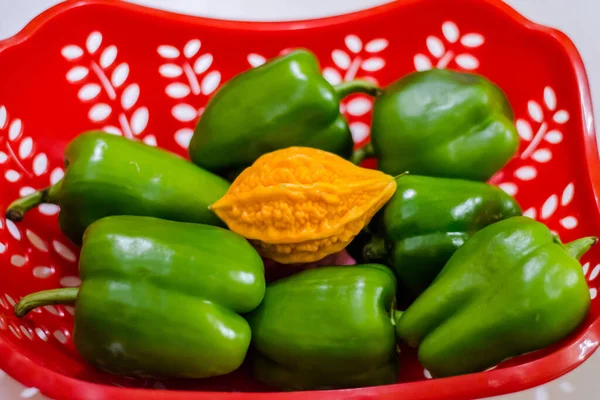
(329,327)
(427,219)
(443,123)
(111,175)
(161,298)
(511,289)
(284,102)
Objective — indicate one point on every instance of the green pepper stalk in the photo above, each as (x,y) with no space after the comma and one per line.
(17,209)
(49,297)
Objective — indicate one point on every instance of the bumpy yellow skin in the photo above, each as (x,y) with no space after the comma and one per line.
(300,204)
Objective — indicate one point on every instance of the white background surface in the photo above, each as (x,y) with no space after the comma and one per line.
(577,18)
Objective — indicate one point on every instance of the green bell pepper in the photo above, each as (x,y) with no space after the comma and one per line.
(111,175)
(427,219)
(161,298)
(511,289)
(443,123)
(284,102)
(329,327)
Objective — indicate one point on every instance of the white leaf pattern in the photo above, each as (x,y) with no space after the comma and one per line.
(108,56)
(76,74)
(3,157)
(472,40)
(526,173)
(358,106)
(184,112)
(550,98)
(341,59)
(524,129)
(183,137)
(130,96)
(177,90)
(12,176)
(99,112)
(332,76)
(93,42)
(376,45)
(467,61)
(450,31)
(256,60)
(71,52)
(89,92)
(353,43)
(170,70)
(14,131)
(561,116)
(2,117)
(40,164)
(542,155)
(554,136)
(359,131)
(25,147)
(191,48)
(549,207)
(435,46)
(422,62)
(373,64)
(168,51)
(139,120)
(203,63)
(150,140)
(567,195)
(535,111)
(210,82)
(120,74)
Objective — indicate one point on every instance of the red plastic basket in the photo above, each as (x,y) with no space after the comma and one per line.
(147,74)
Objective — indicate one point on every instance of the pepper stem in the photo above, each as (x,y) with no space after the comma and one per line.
(358,86)
(362,154)
(375,250)
(45,298)
(17,209)
(577,248)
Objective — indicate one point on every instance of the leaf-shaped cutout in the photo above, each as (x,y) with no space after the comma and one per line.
(526,173)
(467,61)
(42,272)
(184,112)
(358,106)
(113,130)
(509,187)
(530,213)
(422,62)
(130,96)
(3,117)
(177,90)
(567,195)
(524,129)
(64,251)
(256,60)
(93,42)
(139,120)
(341,59)
(71,52)
(108,56)
(99,112)
(150,140)
(594,273)
(210,82)
(550,98)
(435,46)
(3,157)
(24,191)
(88,92)
(25,147)
(191,48)
(48,209)
(15,232)
(360,131)
(183,137)
(542,155)
(76,74)
(554,136)
(472,40)
(353,43)
(56,175)
(40,164)
(170,70)
(376,45)
(120,74)
(549,207)
(373,64)
(167,51)
(561,116)
(332,76)
(535,111)
(36,241)
(569,222)
(450,31)
(15,130)
(203,63)
(12,176)
(301,204)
